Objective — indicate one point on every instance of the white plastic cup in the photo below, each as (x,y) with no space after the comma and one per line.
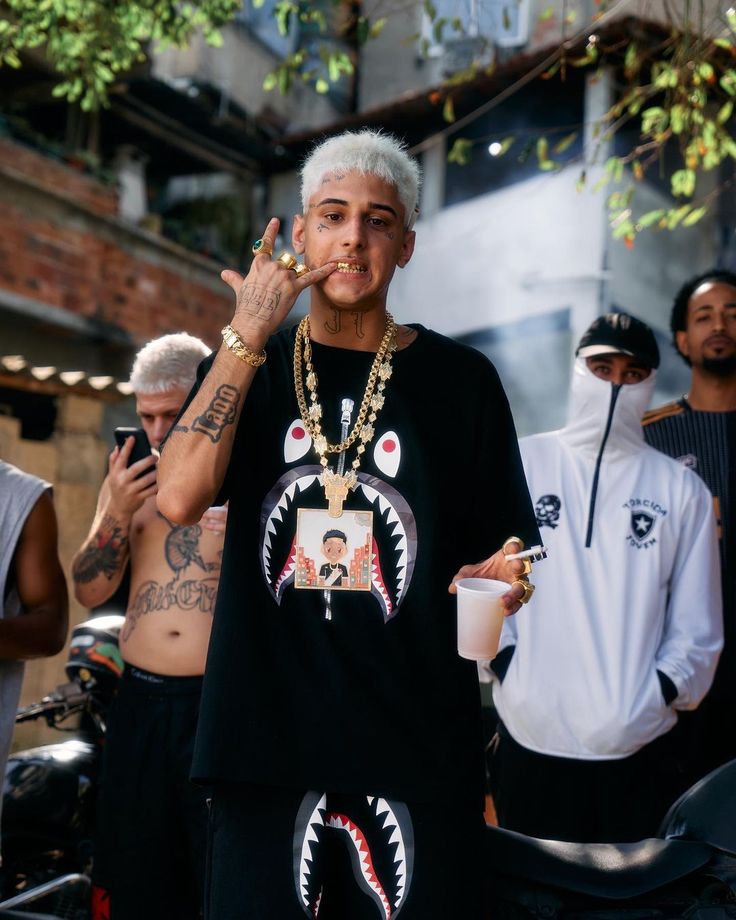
(480,616)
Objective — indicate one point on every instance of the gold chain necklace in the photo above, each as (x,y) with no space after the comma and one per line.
(336,486)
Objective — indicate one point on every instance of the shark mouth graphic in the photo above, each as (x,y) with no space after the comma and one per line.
(394,533)
(379,839)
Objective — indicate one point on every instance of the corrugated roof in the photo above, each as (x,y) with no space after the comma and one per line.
(16,371)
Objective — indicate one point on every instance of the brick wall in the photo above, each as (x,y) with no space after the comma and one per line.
(62,246)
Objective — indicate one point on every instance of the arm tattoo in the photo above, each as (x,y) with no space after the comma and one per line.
(220,413)
(335,325)
(358,320)
(259,300)
(104,555)
(179,428)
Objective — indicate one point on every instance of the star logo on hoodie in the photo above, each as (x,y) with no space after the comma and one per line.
(643,517)
(641,525)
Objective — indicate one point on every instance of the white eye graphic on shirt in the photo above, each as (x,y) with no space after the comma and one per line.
(387,453)
(297,441)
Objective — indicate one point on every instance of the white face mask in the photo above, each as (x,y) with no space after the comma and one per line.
(590,409)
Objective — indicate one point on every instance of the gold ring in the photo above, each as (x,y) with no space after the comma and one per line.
(512,540)
(528,589)
(301,269)
(527,566)
(262,248)
(287,260)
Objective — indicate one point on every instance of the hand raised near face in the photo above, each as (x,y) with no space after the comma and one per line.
(130,485)
(265,296)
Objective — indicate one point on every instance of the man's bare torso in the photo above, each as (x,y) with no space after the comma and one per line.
(175,571)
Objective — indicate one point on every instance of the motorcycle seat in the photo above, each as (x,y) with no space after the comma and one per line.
(604,870)
(707,811)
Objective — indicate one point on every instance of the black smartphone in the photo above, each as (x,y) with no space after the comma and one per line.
(141,448)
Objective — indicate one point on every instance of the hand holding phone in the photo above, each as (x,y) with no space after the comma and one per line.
(141,447)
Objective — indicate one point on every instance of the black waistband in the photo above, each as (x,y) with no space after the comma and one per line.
(140,681)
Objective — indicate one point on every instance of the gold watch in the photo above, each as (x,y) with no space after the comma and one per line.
(238,347)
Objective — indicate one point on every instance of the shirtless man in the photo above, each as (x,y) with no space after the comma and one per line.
(150,846)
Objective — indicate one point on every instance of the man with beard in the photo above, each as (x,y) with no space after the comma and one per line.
(699,430)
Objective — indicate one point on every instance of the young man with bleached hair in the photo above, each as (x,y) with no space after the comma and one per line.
(339,728)
(151,830)
(627,626)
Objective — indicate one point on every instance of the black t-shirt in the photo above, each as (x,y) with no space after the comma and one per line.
(373,699)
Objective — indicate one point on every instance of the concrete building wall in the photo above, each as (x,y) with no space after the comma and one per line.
(518,274)
(550,22)
(239,68)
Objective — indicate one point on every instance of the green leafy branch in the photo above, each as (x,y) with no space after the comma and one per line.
(92,43)
(679,92)
(338,25)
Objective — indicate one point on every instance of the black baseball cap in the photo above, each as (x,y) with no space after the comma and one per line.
(620,333)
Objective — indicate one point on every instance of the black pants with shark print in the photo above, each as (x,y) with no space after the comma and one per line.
(277,854)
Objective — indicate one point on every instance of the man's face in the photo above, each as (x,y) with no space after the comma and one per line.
(157,412)
(617,368)
(358,221)
(334,549)
(709,340)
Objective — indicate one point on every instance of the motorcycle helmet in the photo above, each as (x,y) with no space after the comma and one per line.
(95,662)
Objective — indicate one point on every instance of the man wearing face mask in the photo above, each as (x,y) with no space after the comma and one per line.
(627,626)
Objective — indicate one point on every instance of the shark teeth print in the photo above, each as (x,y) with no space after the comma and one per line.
(310,846)
(379,838)
(393,549)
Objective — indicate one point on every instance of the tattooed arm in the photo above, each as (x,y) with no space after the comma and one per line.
(198,448)
(97,568)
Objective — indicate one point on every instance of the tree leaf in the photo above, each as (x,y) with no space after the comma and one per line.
(567,141)
(460,152)
(651,217)
(694,216)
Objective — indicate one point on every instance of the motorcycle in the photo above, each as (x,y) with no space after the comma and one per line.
(50,791)
(687,871)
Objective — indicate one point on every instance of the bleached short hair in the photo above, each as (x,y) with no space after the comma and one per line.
(370,153)
(167,363)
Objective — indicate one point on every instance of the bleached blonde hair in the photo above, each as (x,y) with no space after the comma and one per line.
(167,363)
(367,152)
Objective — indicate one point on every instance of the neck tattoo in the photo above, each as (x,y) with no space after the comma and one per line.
(337,486)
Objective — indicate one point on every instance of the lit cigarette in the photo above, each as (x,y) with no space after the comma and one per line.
(534,554)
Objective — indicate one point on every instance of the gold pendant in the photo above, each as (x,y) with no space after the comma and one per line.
(336,489)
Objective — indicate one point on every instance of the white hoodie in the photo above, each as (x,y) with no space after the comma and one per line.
(631,586)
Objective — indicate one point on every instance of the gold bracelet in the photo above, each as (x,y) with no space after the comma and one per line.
(238,347)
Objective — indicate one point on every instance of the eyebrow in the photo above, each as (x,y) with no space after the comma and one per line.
(373,205)
(710,306)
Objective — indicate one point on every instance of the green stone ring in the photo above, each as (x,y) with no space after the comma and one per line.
(261,247)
